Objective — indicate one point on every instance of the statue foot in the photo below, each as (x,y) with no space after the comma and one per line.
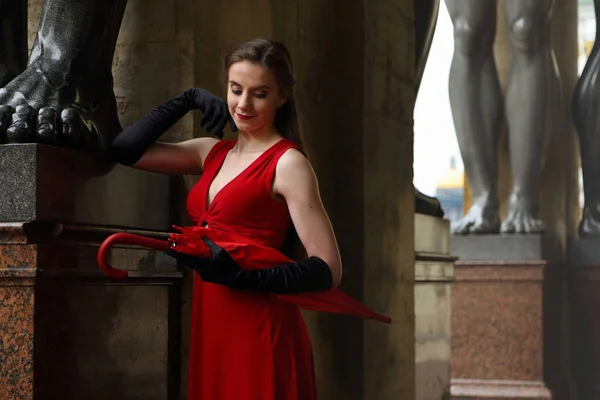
(590,223)
(482,218)
(521,217)
(6,75)
(33,110)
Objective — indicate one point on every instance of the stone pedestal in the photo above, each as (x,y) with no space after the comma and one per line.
(505,318)
(584,302)
(66,331)
(433,279)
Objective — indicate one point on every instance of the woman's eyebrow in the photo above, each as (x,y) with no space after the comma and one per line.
(259,87)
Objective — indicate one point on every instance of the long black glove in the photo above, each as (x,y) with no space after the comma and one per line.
(310,275)
(131,144)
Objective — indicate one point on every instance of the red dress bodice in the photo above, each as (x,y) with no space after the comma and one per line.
(245,205)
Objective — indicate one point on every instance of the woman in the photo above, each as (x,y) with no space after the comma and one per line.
(246,345)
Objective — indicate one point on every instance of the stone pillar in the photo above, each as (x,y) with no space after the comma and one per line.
(434,273)
(389,97)
(66,331)
(584,300)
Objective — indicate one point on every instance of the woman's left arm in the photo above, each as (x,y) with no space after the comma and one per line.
(296,182)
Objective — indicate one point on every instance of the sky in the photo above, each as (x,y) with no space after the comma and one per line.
(435,138)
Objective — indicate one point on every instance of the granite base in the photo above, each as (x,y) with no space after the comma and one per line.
(468,389)
(66,330)
(46,183)
(507,318)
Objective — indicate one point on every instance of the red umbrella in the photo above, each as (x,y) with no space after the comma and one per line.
(248,255)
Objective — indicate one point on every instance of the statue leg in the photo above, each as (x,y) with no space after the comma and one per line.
(532,100)
(13,39)
(585,106)
(476,103)
(95,81)
(65,94)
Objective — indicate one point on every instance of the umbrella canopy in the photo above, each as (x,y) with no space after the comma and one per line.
(248,255)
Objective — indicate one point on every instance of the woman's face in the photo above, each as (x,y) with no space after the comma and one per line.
(253,96)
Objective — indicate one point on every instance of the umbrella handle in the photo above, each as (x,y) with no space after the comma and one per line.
(125,238)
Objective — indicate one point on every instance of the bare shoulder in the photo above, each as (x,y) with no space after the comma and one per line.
(293,163)
(293,158)
(205,145)
(293,171)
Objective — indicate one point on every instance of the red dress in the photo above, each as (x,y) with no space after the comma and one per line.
(246,346)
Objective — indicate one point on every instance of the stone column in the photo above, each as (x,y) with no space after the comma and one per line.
(434,271)
(389,197)
(65,330)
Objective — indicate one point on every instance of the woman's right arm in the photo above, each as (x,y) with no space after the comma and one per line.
(136,146)
(186,157)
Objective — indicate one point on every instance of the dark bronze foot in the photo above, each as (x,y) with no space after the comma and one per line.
(6,75)
(25,125)
(32,110)
(47,126)
(21,130)
(6,113)
(78,132)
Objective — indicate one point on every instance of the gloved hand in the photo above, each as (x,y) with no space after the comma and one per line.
(215,111)
(131,144)
(310,275)
(193,262)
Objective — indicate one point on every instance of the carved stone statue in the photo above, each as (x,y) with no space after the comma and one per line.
(426,13)
(586,117)
(64,95)
(532,99)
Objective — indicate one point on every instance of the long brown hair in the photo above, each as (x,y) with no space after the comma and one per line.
(275,57)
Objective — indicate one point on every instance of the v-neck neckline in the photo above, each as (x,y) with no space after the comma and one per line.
(208,204)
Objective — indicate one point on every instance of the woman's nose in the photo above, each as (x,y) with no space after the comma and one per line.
(244,103)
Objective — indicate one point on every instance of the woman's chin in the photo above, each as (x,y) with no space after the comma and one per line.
(245,126)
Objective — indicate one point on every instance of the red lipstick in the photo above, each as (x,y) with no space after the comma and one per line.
(242,117)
